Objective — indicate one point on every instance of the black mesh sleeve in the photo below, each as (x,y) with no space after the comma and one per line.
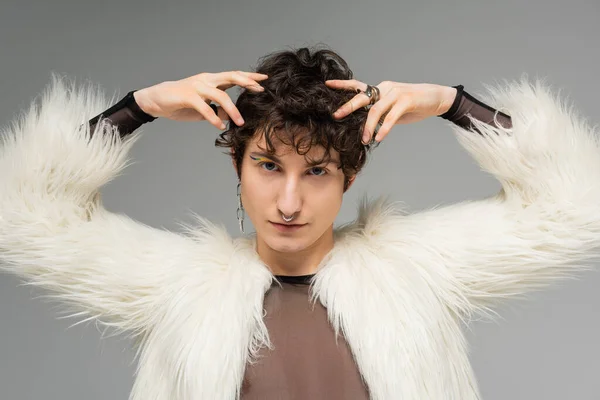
(126,114)
(464,104)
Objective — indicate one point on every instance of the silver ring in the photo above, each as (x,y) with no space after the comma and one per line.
(286,219)
(373,93)
(377,94)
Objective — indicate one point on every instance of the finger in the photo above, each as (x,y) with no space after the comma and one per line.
(390,120)
(198,104)
(374,116)
(358,101)
(257,76)
(225,102)
(346,84)
(228,79)
(221,113)
(247,83)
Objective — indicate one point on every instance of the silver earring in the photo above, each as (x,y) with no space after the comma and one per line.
(241,213)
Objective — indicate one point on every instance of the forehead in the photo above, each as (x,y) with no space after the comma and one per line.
(282,149)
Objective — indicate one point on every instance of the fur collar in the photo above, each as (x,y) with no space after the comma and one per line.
(389,309)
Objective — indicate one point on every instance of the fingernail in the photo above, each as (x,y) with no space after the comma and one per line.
(223,126)
(365,137)
(256,87)
(240,121)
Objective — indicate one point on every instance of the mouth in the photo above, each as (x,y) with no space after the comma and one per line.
(286,227)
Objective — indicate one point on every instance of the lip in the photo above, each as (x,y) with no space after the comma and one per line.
(286,228)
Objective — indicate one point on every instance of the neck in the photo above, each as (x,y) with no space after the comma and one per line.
(301,262)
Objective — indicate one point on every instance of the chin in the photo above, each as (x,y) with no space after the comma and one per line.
(286,244)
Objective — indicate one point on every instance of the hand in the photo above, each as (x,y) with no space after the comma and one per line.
(188,99)
(399,103)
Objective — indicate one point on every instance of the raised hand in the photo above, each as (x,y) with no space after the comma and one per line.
(399,103)
(188,99)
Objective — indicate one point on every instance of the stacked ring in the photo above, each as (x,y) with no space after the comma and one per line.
(373,93)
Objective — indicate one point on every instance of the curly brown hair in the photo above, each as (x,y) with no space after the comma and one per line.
(296,108)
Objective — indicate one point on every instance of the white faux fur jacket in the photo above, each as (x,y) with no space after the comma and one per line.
(398,285)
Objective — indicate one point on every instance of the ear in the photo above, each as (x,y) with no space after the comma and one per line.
(350,182)
(233,159)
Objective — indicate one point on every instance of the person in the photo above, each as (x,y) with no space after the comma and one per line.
(299,309)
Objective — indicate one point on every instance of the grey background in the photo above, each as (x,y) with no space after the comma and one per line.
(545,348)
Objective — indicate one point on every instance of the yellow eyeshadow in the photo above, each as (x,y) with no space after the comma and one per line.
(259,158)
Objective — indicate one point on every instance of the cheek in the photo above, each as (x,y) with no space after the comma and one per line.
(254,195)
(326,203)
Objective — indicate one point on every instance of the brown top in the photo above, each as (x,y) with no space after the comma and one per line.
(306,362)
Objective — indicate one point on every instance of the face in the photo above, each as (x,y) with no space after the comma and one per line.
(285,183)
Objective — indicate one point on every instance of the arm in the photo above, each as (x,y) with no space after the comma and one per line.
(126,115)
(542,225)
(465,105)
(54,230)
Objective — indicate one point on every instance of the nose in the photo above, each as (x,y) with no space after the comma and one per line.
(290,198)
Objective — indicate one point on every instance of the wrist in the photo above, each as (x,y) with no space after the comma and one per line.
(451,95)
(448,95)
(143,103)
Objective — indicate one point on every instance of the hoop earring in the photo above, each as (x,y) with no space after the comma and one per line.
(241,213)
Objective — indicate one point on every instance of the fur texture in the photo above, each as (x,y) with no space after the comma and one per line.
(397,285)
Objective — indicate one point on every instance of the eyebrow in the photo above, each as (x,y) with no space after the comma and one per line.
(276,159)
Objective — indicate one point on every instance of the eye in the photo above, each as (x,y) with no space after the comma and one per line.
(260,164)
(320,169)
